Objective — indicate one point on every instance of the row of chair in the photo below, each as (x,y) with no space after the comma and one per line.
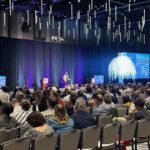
(88,138)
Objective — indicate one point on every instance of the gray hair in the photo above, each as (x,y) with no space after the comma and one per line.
(80,104)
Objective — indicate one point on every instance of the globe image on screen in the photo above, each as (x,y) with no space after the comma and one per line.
(122,67)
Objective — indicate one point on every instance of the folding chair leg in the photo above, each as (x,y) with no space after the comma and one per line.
(148,145)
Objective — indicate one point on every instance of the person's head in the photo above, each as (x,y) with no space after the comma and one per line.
(55,94)
(61,114)
(36,119)
(126,99)
(5,89)
(20,96)
(80,93)
(99,99)
(73,97)
(52,102)
(7,109)
(147,92)
(15,102)
(25,104)
(139,103)
(38,94)
(89,89)
(80,104)
(107,98)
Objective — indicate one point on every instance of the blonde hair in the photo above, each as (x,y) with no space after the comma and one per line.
(61,115)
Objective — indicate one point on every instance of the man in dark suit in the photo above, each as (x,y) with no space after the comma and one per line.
(81,118)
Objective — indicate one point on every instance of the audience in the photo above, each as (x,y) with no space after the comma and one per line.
(6,121)
(58,110)
(61,122)
(39,126)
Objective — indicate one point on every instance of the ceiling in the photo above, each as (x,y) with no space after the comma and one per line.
(133,10)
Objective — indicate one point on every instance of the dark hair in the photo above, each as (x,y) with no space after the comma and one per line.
(36,119)
(52,101)
(139,102)
(80,93)
(126,99)
(99,98)
(43,104)
(25,104)
(73,97)
(7,108)
(6,89)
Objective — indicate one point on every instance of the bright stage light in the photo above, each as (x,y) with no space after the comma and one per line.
(121,68)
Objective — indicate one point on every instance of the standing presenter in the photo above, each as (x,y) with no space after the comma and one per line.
(66,78)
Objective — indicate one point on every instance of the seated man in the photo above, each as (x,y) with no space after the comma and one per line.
(140,113)
(105,107)
(81,118)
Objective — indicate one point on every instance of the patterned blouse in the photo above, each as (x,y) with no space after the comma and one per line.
(32,133)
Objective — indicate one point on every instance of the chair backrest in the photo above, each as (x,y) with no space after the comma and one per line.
(120,112)
(127,131)
(17,144)
(23,130)
(90,137)
(69,140)
(109,133)
(47,142)
(6,135)
(104,120)
(143,128)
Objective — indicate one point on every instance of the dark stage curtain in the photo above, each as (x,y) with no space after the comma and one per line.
(32,60)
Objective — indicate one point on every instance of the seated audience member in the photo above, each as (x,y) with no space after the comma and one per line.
(81,94)
(127,102)
(6,121)
(140,113)
(147,98)
(81,118)
(20,96)
(17,107)
(61,122)
(56,95)
(39,126)
(49,112)
(43,103)
(22,115)
(4,95)
(70,108)
(104,108)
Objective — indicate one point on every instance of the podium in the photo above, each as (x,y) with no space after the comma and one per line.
(44,83)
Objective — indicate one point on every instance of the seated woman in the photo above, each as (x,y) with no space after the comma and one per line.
(39,126)
(61,122)
(7,122)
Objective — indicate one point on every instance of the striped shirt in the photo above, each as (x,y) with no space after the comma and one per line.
(21,117)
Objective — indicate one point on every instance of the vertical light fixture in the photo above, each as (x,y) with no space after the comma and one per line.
(36,17)
(41,7)
(10,9)
(28,17)
(4,19)
(71,11)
